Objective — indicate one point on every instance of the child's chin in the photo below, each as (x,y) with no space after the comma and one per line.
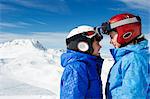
(98,54)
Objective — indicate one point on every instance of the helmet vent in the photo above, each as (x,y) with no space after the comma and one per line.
(127,35)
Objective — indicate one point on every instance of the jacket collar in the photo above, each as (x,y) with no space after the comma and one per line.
(72,56)
(141,47)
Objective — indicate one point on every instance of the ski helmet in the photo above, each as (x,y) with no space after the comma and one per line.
(81,38)
(128,27)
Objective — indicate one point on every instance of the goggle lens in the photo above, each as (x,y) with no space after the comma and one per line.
(105,27)
(91,34)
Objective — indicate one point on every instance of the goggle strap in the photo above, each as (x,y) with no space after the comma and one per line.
(124,22)
(96,29)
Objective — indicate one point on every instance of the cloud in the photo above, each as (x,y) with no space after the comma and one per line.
(140,4)
(10,25)
(117,9)
(55,6)
(48,39)
(23,23)
(4,7)
(39,22)
(14,25)
(82,1)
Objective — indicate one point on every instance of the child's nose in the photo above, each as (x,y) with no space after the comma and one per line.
(100,46)
(110,41)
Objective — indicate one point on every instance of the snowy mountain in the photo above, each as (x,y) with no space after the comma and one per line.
(23,42)
(29,63)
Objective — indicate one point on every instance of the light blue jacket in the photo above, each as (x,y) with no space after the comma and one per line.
(81,76)
(129,78)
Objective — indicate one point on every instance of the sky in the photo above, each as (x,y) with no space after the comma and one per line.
(49,21)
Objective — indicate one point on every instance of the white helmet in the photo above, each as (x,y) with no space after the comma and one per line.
(82,37)
(80,29)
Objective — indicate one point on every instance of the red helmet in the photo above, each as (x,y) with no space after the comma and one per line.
(128,27)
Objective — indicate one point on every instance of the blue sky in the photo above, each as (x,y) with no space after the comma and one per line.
(50,20)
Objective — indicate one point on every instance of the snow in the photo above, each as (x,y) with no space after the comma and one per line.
(108,62)
(30,71)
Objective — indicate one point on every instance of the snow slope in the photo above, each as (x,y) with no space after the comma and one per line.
(30,71)
(28,62)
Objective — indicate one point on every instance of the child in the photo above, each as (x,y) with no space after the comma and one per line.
(129,77)
(82,62)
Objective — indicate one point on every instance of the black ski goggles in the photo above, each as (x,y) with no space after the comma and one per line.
(105,28)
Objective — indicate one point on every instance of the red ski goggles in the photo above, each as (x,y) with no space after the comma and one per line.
(95,33)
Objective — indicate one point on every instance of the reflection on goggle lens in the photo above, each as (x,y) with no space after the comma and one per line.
(105,27)
(89,33)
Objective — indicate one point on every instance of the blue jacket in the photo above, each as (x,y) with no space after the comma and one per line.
(81,76)
(129,78)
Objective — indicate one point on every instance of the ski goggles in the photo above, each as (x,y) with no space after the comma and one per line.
(95,33)
(106,27)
